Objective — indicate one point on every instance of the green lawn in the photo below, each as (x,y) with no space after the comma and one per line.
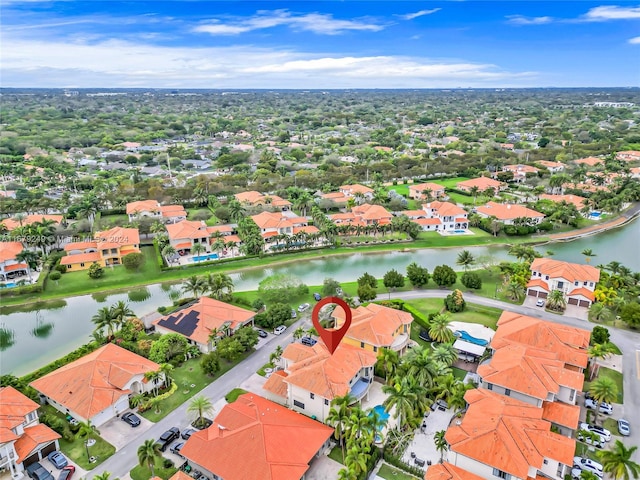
(143,473)
(186,375)
(610,424)
(486,316)
(336,454)
(261,371)
(458,373)
(450,182)
(391,473)
(615,376)
(233,395)
(455,197)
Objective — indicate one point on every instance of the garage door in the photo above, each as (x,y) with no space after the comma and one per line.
(532,293)
(583,303)
(31,459)
(48,449)
(543,294)
(573,301)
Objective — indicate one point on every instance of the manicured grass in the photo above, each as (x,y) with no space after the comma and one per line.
(449,182)
(336,454)
(615,376)
(582,450)
(261,371)
(143,473)
(458,373)
(186,375)
(486,316)
(391,473)
(77,451)
(610,424)
(455,197)
(233,395)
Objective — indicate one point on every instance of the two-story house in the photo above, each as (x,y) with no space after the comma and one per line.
(482,183)
(505,438)
(256,439)
(509,213)
(13,223)
(520,171)
(576,281)
(23,439)
(420,191)
(10,268)
(97,387)
(108,248)
(440,217)
(153,209)
(185,234)
(357,191)
(312,377)
(203,319)
(256,199)
(374,327)
(553,167)
(274,224)
(575,200)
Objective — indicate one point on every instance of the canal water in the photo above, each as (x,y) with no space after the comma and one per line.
(48,330)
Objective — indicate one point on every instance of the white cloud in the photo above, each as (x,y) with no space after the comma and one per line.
(411,16)
(319,23)
(119,63)
(634,41)
(612,12)
(522,20)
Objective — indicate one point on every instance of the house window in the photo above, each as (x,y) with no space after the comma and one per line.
(31,417)
(585,283)
(501,474)
(312,396)
(591,284)
(298,404)
(507,392)
(545,461)
(375,349)
(326,401)
(361,344)
(82,265)
(546,277)
(489,386)
(576,283)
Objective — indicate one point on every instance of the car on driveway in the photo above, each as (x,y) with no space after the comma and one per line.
(279,329)
(187,433)
(576,473)
(603,408)
(603,432)
(167,437)
(131,418)
(303,307)
(38,472)
(67,472)
(176,448)
(262,333)
(308,341)
(540,303)
(589,465)
(58,460)
(293,313)
(624,427)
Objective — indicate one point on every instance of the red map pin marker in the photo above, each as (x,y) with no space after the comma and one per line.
(331,338)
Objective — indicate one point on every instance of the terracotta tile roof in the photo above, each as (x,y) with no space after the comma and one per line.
(197,322)
(507,434)
(256,439)
(15,407)
(276,384)
(295,352)
(143,206)
(16,266)
(371,212)
(356,188)
(12,224)
(173,211)
(481,182)
(343,217)
(80,246)
(183,246)
(272,220)
(549,164)
(180,475)
(537,282)
(220,228)
(80,258)
(9,250)
(507,211)
(187,229)
(526,370)
(573,199)
(447,471)
(306,229)
(561,414)
(94,382)
(414,213)
(444,209)
(590,161)
(570,271)
(338,197)
(277,201)
(428,221)
(117,236)
(520,169)
(584,292)
(421,187)
(251,196)
(569,343)
(374,324)
(329,375)
(32,437)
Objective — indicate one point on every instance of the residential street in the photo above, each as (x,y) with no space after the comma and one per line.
(629,342)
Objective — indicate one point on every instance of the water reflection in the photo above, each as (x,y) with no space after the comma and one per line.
(42,329)
(139,295)
(7,336)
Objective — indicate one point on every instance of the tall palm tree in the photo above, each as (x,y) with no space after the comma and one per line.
(220,285)
(557,300)
(120,312)
(599,312)
(154,378)
(165,370)
(87,430)
(617,461)
(103,319)
(338,417)
(31,258)
(276,354)
(103,476)
(441,444)
(236,210)
(420,365)
(168,251)
(388,360)
(298,333)
(465,259)
(603,389)
(197,249)
(402,398)
(201,406)
(445,353)
(149,453)
(588,254)
(439,328)
(194,285)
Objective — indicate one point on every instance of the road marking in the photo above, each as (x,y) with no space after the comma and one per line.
(638,364)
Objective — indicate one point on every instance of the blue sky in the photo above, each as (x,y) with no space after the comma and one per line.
(319,44)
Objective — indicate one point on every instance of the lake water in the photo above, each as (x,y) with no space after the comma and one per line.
(52,329)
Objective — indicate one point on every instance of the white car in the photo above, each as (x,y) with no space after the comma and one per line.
(603,432)
(540,303)
(598,441)
(303,307)
(605,408)
(589,465)
(278,330)
(624,427)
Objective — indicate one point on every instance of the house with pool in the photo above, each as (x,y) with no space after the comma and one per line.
(97,387)
(11,270)
(441,217)
(108,248)
(153,209)
(309,378)
(374,327)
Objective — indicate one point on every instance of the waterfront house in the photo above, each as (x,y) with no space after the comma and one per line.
(10,268)
(576,281)
(12,224)
(508,213)
(108,248)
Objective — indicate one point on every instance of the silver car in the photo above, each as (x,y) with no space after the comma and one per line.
(624,427)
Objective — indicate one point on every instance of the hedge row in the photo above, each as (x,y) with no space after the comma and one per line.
(398,463)
(419,317)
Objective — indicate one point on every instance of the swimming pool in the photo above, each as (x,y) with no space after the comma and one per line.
(459,231)
(201,258)
(595,214)
(468,338)
(10,285)
(382,414)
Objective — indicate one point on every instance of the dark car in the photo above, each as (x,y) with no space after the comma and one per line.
(317,297)
(187,433)
(38,472)
(131,418)
(58,459)
(308,341)
(167,437)
(176,448)
(67,472)
(424,335)
(262,333)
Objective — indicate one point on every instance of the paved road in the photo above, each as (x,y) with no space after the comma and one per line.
(629,342)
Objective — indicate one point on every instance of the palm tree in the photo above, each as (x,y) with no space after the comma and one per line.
(421,366)
(613,267)
(298,333)
(197,249)
(599,312)
(441,444)
(474,191)
(201,406)
(168,251)
(103,476)
(603,389)
(31,258)
(388,360)
(276,354)
(600,350)
(588,253)
(402,398)
(104,319)
(445,353)
(154,378)
(165,370)
(338,417)
(194,285)
(220,285)
(120,312)
(87,429)
(439,328)
(557,300)
(465,259)
(617,461)
(236,210)
(148,453)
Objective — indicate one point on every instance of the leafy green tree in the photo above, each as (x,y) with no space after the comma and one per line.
(618,463)
(330,287)
(168,346)
(630,314)
(471,280)
(210,363)
(276,287)
(133,261)
(277,314)
(392,280)
(95,271)
(445,354)
(388,361)
(400,396)
(230,348)
(104,476)
(454,302)
(148,454)
(444,276)
(104,320)
(366,293)
(367,279)
(417,275)
(247,336)
(200,406)
(599,335)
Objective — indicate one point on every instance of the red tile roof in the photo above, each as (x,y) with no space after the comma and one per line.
(9,250)
(16,266)
(507,211)
(187,229)
(32,437)
(482,183)
(12,224)
(570,271)
(80,258)
(374,324)
(573,199)
(561,414)
(15,407)
(256,439)
(143,206)
(447,471)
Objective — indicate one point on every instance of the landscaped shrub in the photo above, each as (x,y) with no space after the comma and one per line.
(471,280)
(454,302)
(61,268)
(55,275)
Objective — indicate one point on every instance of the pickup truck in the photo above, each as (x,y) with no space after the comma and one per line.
(38,472)
(167,437)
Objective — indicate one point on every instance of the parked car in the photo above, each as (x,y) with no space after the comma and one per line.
(603,432)
(303,307)
(624,427)
(540,303)
(603,408)
(424,335)
(317,297)
(58,460)
(167,437)
(293,313)
(339,292)
(38,472)
(262,333)
(131,418)
(588,464)
(310,342)
(598,441)
(67,472)
(176,448)
(576,473)
(278,330)
(187,433)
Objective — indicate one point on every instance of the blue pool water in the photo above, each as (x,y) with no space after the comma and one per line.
(459,231)
(595,214)
(202,258)
(384,416)
(10,285)
(468,338)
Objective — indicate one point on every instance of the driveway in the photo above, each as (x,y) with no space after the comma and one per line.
(323,468)
(577,312)
(118,433)
(48,466)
